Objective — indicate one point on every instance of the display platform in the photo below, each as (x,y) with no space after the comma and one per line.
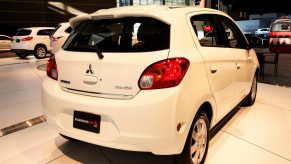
(257,134)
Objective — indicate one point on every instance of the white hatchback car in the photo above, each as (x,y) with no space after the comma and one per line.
(59,36)
(163,93)
(32,40)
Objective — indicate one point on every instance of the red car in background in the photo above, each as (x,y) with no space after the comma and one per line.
(280,36)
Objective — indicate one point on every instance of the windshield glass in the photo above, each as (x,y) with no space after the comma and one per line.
(281,26)
(137,34)
(23,32)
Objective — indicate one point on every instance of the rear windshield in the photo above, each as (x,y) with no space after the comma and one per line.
(137,34)
(23,32)
(281,26)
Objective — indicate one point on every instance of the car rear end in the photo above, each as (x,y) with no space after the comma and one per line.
(59,36)
(22,41)
(111,88)
(280,36)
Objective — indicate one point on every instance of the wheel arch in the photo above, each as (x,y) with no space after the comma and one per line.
(207,108)
(40,44)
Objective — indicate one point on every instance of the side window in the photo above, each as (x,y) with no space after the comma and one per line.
(4,38)
(44,32)
(234,35)
(207,31)
(69,30)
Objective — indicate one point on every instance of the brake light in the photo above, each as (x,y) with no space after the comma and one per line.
(164,74)
(53,38)
(52,69)
(27,38)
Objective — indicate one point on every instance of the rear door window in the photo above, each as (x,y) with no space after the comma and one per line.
(208,31)
(23,32)
(138,34)
(232,33)
(45,32)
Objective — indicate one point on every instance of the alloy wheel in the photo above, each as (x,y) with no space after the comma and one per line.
(41,52)
(199,141)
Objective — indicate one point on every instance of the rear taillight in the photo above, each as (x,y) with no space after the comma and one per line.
(52,69)
(164,74)
(53,38)
(27,38)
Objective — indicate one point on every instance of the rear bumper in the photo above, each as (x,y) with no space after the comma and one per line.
(145,123)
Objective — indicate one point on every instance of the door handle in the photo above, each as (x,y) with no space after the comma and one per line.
(213,69)
(237,66)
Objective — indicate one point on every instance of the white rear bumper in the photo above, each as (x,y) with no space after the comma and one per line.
(145,123)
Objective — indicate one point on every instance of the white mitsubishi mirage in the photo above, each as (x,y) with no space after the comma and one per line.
(142,78)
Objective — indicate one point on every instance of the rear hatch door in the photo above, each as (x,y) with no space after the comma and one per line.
(106,58)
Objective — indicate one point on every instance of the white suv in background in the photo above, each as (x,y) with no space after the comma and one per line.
(164,92)
(32,40)
(59,36)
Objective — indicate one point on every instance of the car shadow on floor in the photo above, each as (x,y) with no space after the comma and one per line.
(90,153)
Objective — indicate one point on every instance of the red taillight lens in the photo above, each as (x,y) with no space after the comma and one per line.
(27,38)
(164,74)
(52,69)
(53,38)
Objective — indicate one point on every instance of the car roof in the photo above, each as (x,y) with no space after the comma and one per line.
(282,20)
(167,14)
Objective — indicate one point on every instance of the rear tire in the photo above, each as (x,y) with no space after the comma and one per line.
(250,99)
(40,52)
(196,146)
(22,55)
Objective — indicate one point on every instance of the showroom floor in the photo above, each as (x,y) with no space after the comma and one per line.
(257,134)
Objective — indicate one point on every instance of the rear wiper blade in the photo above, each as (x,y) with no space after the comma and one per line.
(99,53)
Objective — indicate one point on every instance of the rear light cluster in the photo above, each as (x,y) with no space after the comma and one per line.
(52,69)
(279,35)
(164,74)
(53,38)
(27,38)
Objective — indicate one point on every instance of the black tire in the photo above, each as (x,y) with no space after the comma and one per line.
(22,55)
(186,157)
(40,51)
(68,138)
(251,97)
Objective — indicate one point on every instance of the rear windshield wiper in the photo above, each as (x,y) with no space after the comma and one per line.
(94,40)
(99,53)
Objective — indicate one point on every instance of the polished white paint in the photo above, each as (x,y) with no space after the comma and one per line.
(37,39)
(62,36)
(146,120)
